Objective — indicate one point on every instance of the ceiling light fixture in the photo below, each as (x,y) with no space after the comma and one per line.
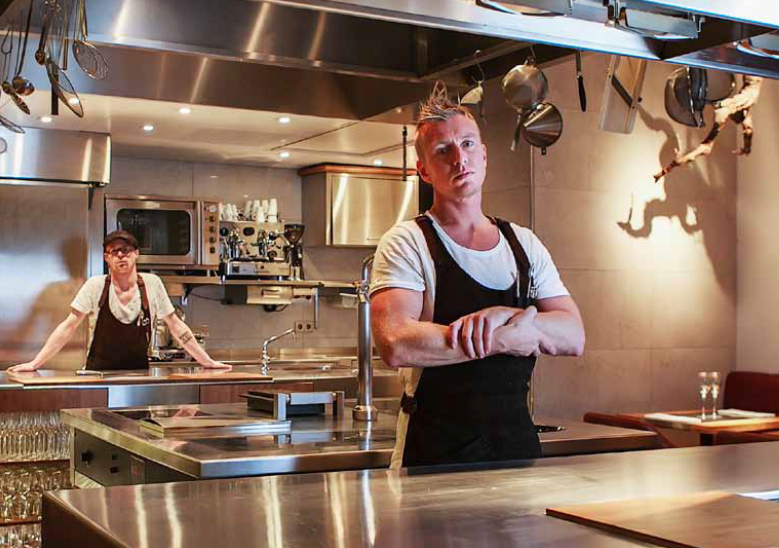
(285,120)
(214,176)
(377,162)
(45,119)
(284,154)
(148,127)
(185,110)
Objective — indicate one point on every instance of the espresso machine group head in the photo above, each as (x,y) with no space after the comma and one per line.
(293,233)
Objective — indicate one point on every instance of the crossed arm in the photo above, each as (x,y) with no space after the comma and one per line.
(555,327)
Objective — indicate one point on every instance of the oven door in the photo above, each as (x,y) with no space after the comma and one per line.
(167,230)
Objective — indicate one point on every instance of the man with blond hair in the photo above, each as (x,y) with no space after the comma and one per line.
(463,304)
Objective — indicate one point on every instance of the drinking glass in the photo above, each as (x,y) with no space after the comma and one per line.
(714,384)
(703,389)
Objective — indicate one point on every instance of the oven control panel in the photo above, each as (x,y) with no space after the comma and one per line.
(209,222)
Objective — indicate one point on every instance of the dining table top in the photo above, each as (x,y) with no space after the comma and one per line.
(708,425)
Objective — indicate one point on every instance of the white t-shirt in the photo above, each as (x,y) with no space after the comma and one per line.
(403,260)
(87,301)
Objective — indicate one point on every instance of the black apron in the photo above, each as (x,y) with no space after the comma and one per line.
(474,411)
(117,345)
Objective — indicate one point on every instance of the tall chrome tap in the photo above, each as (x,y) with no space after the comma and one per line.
(364,410)
(266,342)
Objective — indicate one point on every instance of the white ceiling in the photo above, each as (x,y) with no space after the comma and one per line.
(218,134)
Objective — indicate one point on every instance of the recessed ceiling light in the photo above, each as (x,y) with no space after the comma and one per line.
(377,162)
(45,119)
(148,127)
(284,154)
(185,110)
(214,176)
(285,120)
(73,101)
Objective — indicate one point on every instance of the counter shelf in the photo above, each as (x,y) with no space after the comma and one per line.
(314,444)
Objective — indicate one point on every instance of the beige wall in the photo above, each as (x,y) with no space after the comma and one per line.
(656,289)
(758,230)
(246,326)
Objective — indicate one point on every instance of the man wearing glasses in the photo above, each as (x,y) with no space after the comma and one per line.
(122,307)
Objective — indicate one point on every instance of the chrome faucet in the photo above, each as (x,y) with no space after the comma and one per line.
(364,410)
(266,342)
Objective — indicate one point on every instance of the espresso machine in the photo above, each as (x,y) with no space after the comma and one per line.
(251,249)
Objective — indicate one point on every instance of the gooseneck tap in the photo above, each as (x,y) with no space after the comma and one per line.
(364,410)
(266,342)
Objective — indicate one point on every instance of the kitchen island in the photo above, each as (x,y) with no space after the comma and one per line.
(440,506)
(112,448)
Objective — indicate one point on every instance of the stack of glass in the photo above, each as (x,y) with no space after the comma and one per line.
(21,536)
(28,437)
(22,487)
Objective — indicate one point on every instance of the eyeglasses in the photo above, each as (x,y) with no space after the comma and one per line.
(124,250)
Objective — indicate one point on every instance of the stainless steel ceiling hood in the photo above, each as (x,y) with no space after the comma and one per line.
(357,59)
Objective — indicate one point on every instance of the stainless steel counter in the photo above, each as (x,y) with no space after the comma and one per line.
(315,443)
(410,508)
(330,375)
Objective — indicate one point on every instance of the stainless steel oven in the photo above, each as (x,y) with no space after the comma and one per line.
(173,232)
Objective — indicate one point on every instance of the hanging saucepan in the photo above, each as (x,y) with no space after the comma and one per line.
(679,102)
(541,126)
(525,86)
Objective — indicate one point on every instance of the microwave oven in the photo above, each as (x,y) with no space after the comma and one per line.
(173,232)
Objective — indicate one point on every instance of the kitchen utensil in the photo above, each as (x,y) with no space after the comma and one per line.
(10,126)
(622,94)
(63,88)
(679,98)
(525,85)
(698,82)
(87,55)
(580,81)
(50,8)
(20,84)
(7,48)
(542,126)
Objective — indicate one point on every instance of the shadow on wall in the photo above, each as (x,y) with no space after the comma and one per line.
(686,191)
(50,307)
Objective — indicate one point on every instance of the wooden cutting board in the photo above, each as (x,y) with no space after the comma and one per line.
(712,519)
(227,376)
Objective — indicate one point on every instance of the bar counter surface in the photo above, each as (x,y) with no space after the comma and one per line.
(444,506)
(314,444)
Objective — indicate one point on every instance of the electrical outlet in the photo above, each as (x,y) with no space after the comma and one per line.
(304,326)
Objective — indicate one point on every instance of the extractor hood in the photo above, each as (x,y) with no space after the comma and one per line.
(358,59)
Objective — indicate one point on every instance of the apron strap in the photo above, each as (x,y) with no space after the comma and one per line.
(434,243)
(523,263)
(145,314)
(104,295)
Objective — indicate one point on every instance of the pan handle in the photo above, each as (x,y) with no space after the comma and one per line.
(580,80)
(515,141)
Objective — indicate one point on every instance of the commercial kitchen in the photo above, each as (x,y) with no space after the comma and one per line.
(257,151)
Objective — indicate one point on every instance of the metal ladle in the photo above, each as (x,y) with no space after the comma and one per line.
(20,84)
(6,50)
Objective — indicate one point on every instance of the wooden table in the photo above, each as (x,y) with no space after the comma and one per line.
(708,428)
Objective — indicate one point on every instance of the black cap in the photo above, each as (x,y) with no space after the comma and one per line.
(120,235)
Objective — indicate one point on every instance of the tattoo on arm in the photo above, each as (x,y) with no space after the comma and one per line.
(186,337)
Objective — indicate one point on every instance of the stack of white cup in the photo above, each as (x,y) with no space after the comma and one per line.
(261,211)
